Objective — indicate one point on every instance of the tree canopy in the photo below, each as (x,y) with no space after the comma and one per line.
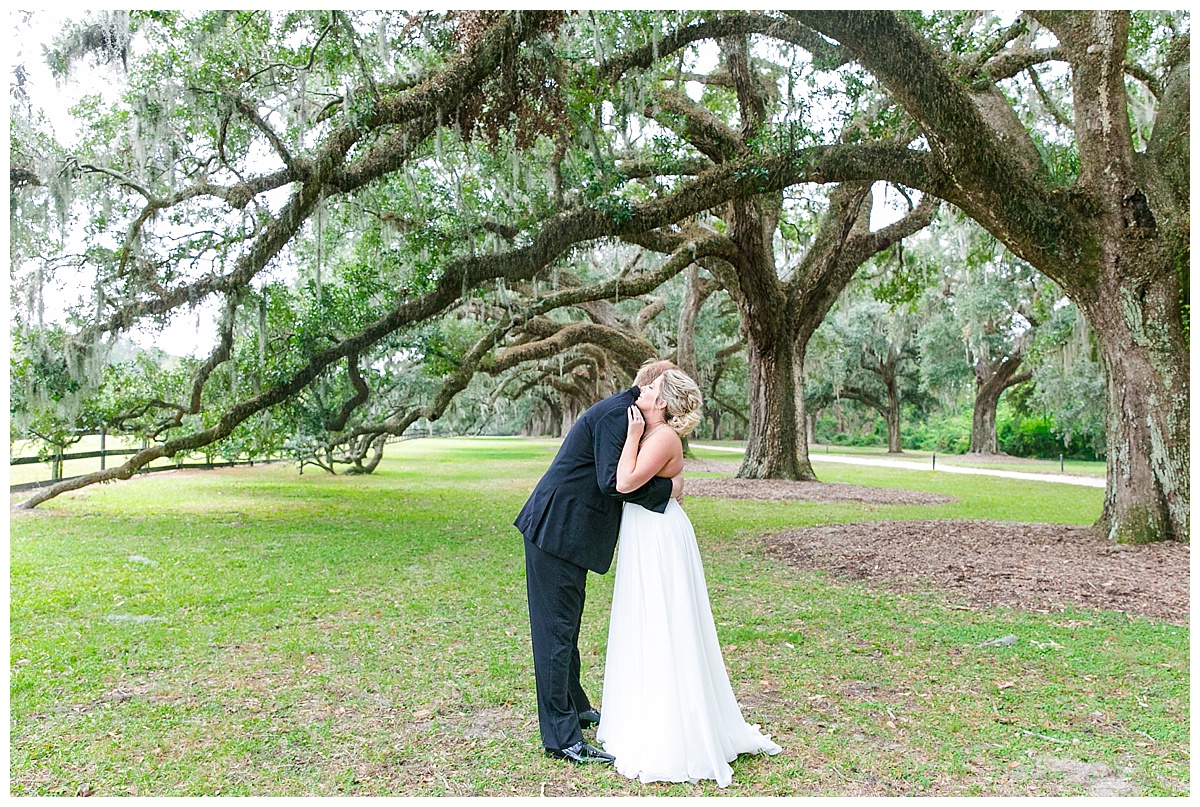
(385,206)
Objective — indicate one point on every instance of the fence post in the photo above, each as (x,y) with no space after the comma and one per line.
(103,432)
(934,461)
(56,465)
(1060,463)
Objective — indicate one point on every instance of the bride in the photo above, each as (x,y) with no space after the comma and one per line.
(669,711)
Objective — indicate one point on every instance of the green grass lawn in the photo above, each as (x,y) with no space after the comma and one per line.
(255,632)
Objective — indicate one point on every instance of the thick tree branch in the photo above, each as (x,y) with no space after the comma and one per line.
(361,393)
(752,103)
(641,168)
(991,183)
(696,124)
(1169,149)
(1012,62)
(867,244)
(1146,77)
(827,54)
(437,95)
(476,359)
(648,313)
(629,351)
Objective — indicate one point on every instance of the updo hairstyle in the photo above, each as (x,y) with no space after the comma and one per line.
(682,397)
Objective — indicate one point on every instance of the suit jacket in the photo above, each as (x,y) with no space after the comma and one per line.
(575,510)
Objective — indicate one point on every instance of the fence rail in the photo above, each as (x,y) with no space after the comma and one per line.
(83,455)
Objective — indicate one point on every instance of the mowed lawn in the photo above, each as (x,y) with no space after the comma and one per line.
(256,632)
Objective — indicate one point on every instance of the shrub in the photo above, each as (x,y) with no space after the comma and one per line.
(1034,437)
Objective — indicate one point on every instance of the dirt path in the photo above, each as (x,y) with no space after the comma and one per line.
(726,487)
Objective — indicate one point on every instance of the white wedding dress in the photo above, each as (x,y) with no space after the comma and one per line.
(668,711)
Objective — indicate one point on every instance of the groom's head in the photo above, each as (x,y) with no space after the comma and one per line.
(652,370)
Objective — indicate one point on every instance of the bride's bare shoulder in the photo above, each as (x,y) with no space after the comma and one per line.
(670,445)
(668,437)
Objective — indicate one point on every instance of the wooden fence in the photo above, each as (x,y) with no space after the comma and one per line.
(56,461)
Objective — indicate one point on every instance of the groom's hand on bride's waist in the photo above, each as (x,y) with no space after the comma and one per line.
(677,488)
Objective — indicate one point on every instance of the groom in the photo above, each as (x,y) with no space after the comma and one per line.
(570,525)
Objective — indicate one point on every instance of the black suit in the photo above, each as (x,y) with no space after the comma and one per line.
(570,524)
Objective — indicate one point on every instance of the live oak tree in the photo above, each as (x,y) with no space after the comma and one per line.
(780,306)
(1110,226)
(983,309)
(1068,380)
(870,355)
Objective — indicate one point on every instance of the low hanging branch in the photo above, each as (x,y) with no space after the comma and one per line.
(465,273)
(478,359)
(828,54)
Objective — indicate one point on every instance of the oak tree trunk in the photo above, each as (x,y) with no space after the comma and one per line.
(990,384)
(1116,242)
(891,414)
(1148,456)
(983,422)
(803,464)
(771,446)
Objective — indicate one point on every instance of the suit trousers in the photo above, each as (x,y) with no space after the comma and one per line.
(556,595)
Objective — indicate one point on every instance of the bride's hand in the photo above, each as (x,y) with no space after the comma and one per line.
(637,424)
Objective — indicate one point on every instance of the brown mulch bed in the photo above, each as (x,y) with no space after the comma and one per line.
(695,466)
(1037,567)
(787,490)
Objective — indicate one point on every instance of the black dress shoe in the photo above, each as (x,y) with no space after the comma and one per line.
(581,753)
(589,718)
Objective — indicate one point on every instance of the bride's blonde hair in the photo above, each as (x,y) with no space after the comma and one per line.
(682,396)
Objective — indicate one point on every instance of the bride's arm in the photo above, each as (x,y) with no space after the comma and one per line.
(638,465)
